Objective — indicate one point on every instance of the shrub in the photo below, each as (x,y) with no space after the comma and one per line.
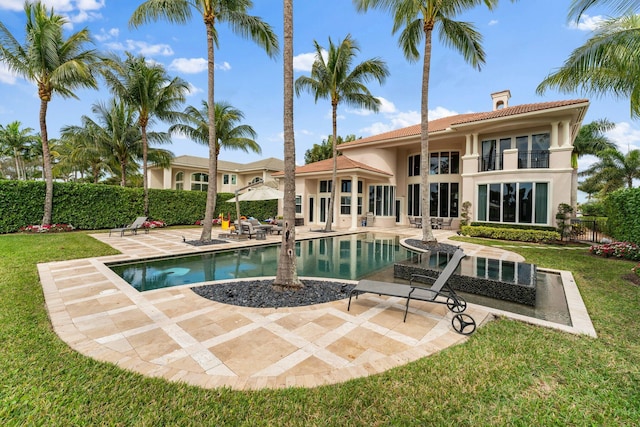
(623,250)
(623,212)
(522,235)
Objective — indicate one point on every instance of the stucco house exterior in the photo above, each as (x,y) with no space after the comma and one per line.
(192,173)
(512,163)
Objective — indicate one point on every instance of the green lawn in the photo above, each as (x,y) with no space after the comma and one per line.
(507,373)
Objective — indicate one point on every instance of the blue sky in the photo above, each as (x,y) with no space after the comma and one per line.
(523,43)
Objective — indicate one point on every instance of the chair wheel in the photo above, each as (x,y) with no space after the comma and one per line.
(463,324)
(457,304)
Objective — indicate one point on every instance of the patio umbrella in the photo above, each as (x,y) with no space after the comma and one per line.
(263,192)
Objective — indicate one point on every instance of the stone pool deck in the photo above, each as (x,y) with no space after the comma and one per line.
(175,334)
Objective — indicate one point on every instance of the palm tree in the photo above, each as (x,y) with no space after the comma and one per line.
(15,142)
(419,18)
(591,140)
(615,169)
(234,12)
(609,62)
(286,273)
(336,80)
(57,65)
(324,150)
(229,135)
(148,89)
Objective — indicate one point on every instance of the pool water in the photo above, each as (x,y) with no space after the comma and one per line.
(349,257)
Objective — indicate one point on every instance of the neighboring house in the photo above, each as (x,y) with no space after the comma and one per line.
(512,163)
(191,173)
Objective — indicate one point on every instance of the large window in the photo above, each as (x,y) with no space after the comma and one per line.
(444,162)
(199,182)
(443,199)
(325,186)
(345,186)
(533,151)
(298,204)
(414,165)
(517,202)
(413,200)
(180,181)
(382,200)
(345,205)
(225,179)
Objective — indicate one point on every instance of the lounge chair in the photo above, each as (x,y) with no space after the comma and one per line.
(439,292)
(416,221)
(132,228)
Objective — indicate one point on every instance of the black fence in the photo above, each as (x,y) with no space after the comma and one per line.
(586,230)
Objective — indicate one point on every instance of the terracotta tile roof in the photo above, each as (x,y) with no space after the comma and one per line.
(344,163)
(269,163)
(461,119)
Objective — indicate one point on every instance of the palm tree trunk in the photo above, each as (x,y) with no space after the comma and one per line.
(427,234)
(123,174)
(212,189)
(287,275)
(46,165)
(145,184)
(15,158)
(334,175)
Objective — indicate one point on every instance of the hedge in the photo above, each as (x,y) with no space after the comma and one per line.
(511,226)
(623,210)
(521,235)
(91,206)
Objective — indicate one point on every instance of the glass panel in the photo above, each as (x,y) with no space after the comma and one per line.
(225,179)
(234,179)
(525,202)
(494,202)
(359,205)
(522,144)
(444,163)
(346,186)
(416,165)
(482,203)
(505,144)
(410,166)
(488,155)
(455,162)
(433,201)
(298,204)
(378,210)
(360,187)
(345,205)
(433,164)
(509,202)
(541,202)
(372,197)
(444,199)
(453,207)
(540,150)
(385,200)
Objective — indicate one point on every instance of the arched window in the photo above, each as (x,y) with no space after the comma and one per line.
(256,179)
(199,181)
(180,181)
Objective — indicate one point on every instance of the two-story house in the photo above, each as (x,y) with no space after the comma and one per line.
(513,164)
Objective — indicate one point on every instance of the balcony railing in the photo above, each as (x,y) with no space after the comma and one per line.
(491,163)
(535,159)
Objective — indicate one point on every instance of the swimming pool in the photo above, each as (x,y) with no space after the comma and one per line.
(350,257)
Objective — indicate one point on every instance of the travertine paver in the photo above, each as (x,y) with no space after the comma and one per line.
(175,334)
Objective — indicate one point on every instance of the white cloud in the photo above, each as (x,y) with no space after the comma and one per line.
(15,5)
(493,22)
(400,119)
(142,48)
(626,136)
(188,65)
(304,61)
(225,66)
(193,90)
(105,35)
(440,112)
(587,23)
(6,76)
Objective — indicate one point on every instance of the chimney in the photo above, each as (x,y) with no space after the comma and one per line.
(500,99)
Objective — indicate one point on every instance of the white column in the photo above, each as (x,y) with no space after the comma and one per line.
(468,145)
(354,202)
(554,134)
(474,145)
(565,140)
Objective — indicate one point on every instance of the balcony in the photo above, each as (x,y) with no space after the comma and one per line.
(535,159)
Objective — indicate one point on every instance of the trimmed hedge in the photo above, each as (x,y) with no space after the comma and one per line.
(521,235)
(511,226)
(92,207)
(623,211)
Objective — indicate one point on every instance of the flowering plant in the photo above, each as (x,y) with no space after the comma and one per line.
(214,221)
(48,228)
(624,250)
(154,224)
